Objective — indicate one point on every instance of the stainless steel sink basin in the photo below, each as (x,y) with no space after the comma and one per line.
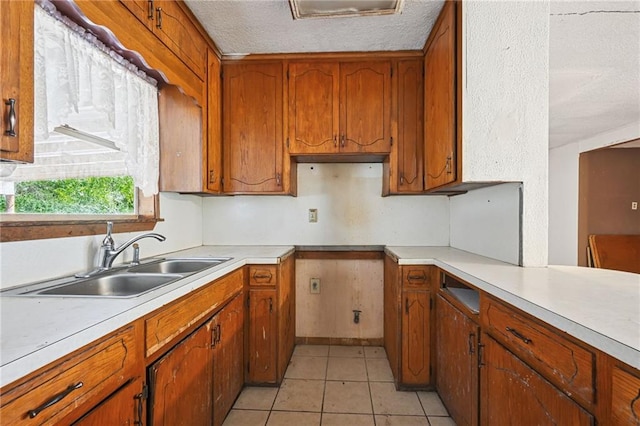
(178,266)
(118,285)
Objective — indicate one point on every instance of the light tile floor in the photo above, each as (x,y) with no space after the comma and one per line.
(337,386)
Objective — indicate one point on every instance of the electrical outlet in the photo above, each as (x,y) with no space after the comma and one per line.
(313,215)
(314,286)
(634,205)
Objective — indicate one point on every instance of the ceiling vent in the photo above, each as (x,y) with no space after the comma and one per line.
(343,8)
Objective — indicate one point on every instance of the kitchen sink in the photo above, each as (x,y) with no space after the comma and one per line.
(178,266)
(118,285)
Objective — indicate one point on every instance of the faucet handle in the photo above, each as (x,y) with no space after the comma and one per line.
(136,255)
(108,239)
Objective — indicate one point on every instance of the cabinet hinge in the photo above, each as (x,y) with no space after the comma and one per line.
(145,391)
(391,140)
(431,303)
(287,143)
(430,370)
(391,70)
(248,303)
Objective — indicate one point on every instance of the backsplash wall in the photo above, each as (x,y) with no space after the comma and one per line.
(351,211)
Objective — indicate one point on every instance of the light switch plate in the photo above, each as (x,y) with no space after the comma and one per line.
(313,215)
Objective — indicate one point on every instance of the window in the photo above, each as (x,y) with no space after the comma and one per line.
(96,140)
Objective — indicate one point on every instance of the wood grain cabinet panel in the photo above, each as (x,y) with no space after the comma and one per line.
(181,382)
(168,323)
(16,84)
(440,101)
(365,107)
(408,322)
(213,157)
(407,153)
(271,322)
(563,362)
(625,397)
(228,353)
(262,336)
(144,10)
(416,338)
(83,379)
(513,393)
(253,132)
(126,407)
(457,362)
(314,91)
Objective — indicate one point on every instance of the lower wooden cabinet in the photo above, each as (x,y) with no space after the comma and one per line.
(624,403)
(271,322)
(457,362)
(513,392)
(63,391)
(181,382)
(199,378)
(228,353)
(407,322)
(126,407)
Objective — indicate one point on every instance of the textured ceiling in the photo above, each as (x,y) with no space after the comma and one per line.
(594,52)
(267,26)
(594,71)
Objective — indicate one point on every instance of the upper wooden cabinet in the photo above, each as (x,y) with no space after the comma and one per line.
(440,165)
(172,25)
(254,157)
(340,107)
(16,84)
(406,157)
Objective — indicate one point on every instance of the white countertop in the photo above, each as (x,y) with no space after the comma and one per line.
(36,330)
(598,306)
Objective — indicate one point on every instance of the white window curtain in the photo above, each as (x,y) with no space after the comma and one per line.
(80,83)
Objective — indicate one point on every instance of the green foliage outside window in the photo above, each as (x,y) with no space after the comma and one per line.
(94,195)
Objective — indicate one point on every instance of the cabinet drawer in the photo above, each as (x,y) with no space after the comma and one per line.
(263,275)
(169,322)
(84,378)
(416,276)
(568,365)
(625,398)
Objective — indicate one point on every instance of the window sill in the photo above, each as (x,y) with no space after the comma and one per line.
(37,227)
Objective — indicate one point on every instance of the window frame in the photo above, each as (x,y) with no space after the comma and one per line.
(24,227)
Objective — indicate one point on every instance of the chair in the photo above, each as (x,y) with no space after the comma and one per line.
(619,252)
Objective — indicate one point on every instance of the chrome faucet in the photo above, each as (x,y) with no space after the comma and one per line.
(108,250)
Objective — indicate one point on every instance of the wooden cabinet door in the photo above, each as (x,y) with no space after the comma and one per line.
(391,294)
(408,175)
(314,107)
(228,353)
(252,134)
(174,28)
(181,382)
(365,107)
(457,361)
(416,338)
(262,336)
(214,123)
(286,314)
(126,407)
(440,102)
(141,9)
(625,397)
(180,141)
(16,84)
(513,393)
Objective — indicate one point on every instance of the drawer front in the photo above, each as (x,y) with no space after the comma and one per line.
(416,277)
(263,275)
(86,377)
(169,322)
(568,365)
(625,398)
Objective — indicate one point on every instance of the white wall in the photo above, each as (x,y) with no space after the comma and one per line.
(29,261)
(487,222)
(350,211)
(505,107)
(563,204)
